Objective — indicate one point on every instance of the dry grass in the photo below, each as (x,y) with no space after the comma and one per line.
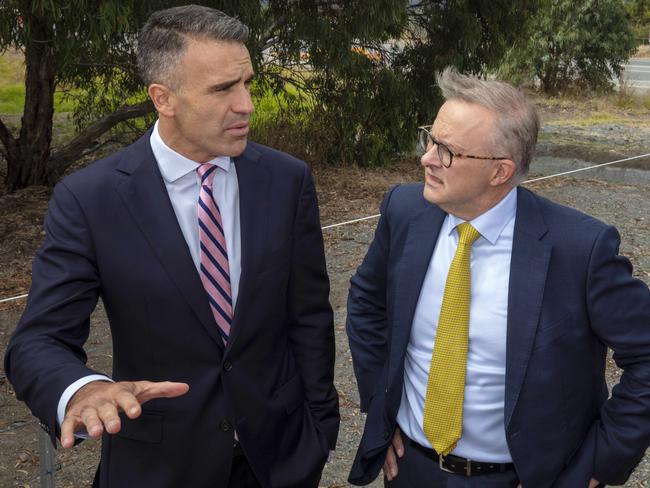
(642,52)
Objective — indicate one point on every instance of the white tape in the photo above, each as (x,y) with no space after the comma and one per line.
(331,226)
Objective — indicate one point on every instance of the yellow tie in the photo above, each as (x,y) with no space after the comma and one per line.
(443,405)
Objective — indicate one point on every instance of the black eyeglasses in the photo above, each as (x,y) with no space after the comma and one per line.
(446,155)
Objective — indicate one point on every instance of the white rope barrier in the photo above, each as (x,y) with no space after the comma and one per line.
(350,222)
(361,219)
(13,298)
(586,168)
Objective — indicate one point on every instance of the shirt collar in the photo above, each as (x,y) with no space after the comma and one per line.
(173,165)
(491,223)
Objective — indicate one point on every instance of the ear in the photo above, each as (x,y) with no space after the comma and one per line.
(504,171)
(162,98)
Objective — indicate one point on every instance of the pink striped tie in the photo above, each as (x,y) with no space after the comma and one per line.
(214,272)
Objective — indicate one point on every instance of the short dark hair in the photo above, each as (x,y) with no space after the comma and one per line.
(163,38)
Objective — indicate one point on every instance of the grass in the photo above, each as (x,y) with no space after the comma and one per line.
(12,87)
(625,107)
(268,105)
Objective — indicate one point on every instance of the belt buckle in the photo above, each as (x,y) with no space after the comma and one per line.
(468,466)
(441,461)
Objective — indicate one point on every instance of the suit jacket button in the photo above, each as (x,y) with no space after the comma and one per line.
(227,366)
(386,435)
(224,425)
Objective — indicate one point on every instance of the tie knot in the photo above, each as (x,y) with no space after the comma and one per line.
(206,171)
(467,234)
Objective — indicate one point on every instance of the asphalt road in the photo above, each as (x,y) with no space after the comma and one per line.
(637,74)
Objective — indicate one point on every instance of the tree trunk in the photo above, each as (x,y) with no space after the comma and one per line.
(27,160)
(30,160)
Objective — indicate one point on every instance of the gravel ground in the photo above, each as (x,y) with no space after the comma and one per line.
(348,193)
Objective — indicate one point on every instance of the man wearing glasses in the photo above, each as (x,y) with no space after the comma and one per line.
(480,318)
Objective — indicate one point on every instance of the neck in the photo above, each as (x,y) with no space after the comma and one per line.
(170,136)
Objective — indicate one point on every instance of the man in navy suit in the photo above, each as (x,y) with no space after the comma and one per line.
(223,345)
(547,294)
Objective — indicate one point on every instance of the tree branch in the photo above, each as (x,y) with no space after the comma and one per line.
(68,154)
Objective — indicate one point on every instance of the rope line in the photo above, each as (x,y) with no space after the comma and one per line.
(13,298)
(361,219)
(586,168)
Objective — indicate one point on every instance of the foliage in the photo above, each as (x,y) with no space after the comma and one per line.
(362,73)
(639,12)
(573,45)
(369,67)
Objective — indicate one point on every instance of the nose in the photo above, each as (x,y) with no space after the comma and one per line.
(244,102)
(430,158)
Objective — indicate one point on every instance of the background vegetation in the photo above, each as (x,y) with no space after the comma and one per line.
(337,82)
(571,44)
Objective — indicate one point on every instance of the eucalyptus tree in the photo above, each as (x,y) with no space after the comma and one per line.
(362,72)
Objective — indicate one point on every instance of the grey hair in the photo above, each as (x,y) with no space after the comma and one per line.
(163,39)
(516,123)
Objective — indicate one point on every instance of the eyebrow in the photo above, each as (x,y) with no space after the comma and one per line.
(228,83)
(451,146)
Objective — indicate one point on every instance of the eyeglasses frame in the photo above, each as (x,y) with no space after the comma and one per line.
(426,129)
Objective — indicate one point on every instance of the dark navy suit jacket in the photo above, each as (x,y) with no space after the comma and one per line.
(570,296)
(111,232)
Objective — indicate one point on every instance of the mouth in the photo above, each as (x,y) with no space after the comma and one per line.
(432,180)
(238,130)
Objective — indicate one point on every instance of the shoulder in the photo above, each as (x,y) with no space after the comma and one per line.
(403,200)
(102,172)
(565,225)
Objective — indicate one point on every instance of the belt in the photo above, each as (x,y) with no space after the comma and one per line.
(459,465)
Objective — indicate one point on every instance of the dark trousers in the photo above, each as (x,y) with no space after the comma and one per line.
(416,470)
(241,474)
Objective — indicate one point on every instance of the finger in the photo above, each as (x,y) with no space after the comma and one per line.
(398,444)
(148,390)
(91,421)
(128,403)
(387,473)
(109,417)
(391,462)
(68,427)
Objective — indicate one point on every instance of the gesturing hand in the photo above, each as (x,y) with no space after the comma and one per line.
(96,405)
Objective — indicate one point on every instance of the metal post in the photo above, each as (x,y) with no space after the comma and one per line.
(48,458)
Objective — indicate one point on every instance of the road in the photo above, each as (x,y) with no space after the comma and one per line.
(637,74)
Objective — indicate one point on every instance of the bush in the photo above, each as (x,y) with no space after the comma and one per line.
(573,45)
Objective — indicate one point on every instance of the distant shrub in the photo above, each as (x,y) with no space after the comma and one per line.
(572,45)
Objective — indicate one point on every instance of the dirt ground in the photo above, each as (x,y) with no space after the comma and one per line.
(345,193)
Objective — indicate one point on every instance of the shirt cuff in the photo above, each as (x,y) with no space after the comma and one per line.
(70,391)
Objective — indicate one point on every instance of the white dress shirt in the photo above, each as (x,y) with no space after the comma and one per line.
(483,434)
(183,184)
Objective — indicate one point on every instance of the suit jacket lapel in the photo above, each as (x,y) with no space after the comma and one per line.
(421,240)
(145,196)
(528,268)
(254,204)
